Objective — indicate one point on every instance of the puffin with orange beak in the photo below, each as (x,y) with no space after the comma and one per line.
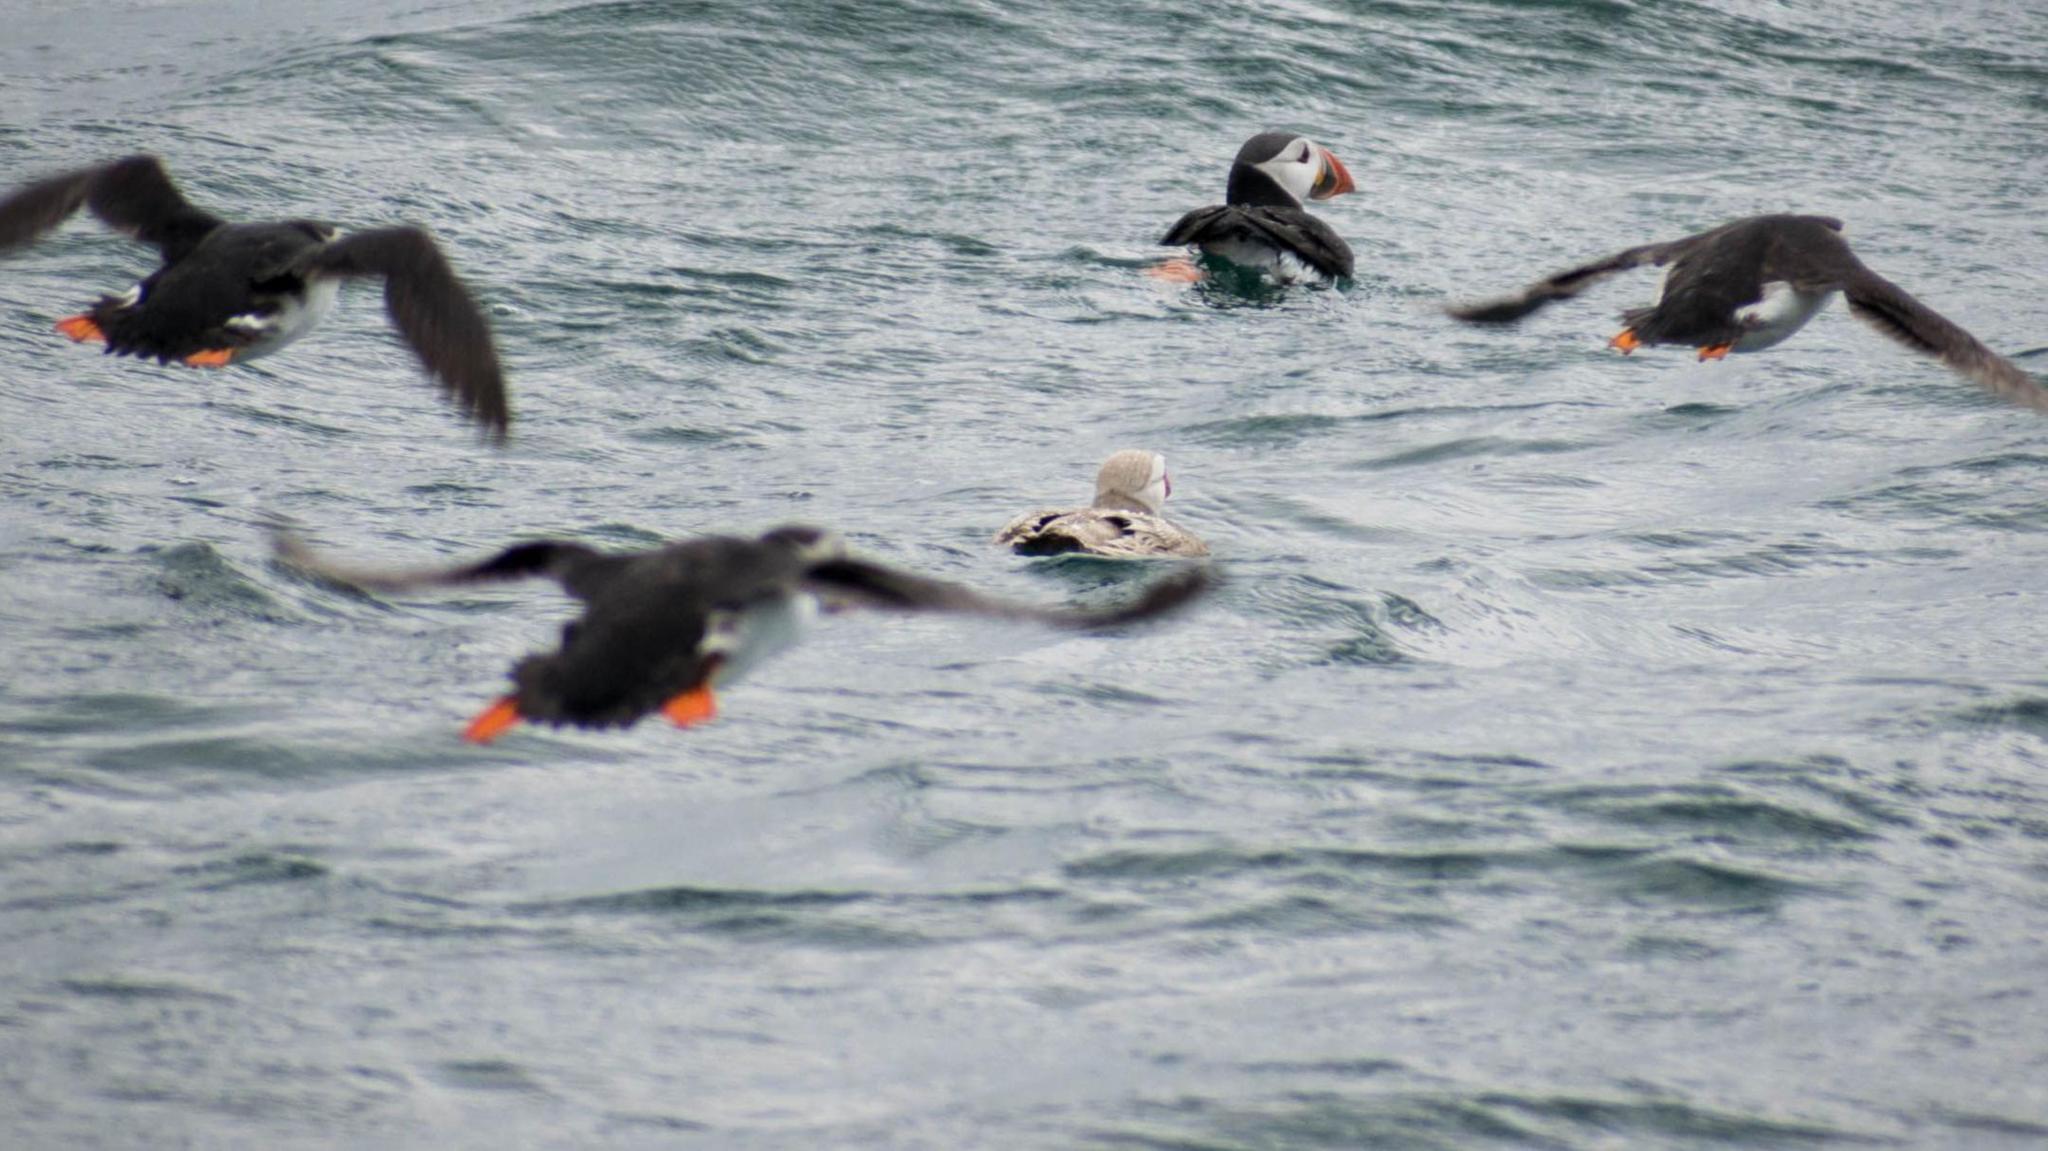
(1262,226)
(662,628)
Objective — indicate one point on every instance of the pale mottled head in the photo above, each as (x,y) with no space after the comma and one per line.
(1133,478)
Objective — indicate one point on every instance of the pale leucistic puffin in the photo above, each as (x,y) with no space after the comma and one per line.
(227,293)
(1748,285)
(1125,521)
(1261,225)
(661,629)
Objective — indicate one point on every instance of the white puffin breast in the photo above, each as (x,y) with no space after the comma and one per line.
(294,317)
(1782,311)
(747,638)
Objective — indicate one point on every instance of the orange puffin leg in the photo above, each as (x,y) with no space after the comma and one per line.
(492,722)
(691,707)
(1179,270)
(1715,352)
(210,358)
(1625,340)
(81,329)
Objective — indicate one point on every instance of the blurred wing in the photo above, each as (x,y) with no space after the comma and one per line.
(577,568)
(1566,284)
(858,583)
(432,310)
(133,195)
(42,206)
(1888,308)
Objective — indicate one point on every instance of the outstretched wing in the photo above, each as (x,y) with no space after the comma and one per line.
(1566,284)
(432,310)
(578,569)
(132,195)
(859,583)
(1888,308)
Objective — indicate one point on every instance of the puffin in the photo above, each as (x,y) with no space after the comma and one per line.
(1261,225)
(1124,522)
(228,293)
(1749,284)
(662,629)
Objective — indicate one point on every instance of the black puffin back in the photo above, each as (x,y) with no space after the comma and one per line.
(636,646)
(185,303)
(1727,271)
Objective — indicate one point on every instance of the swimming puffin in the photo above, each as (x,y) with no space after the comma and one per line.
(1261,224)
(1747,285)
(661,629)
(232,292)
(1125,520)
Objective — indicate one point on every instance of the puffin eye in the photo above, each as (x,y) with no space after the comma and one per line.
(1303,158)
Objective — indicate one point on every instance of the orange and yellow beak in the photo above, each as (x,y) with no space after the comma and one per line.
(1332,179)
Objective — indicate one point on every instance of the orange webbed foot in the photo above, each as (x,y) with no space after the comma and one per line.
(492,722)
(1179,270)
(1715,352)
(1625,340)
(81,329)
(210,358)
(691,707)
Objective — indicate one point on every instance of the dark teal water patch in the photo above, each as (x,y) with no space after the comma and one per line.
(201,579)
(488,1075)
(2028,715)
(1671,1120)
(255,867)
(135,989)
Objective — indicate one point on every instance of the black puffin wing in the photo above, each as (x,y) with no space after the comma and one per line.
(580,571)
(1189,229)
(432,310)
(858,583)
(1811,260)
(1307,236)
(1293,229)
(1888,308)
(135,195)
(132,195)
(1566,284)
(41,206)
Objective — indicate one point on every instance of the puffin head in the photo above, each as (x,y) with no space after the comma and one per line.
(1283,169)
(1133,478)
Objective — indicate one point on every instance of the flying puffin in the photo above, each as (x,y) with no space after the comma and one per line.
(1261,224)
(1125,521)
(1748,285)
(661,629)
(232,292)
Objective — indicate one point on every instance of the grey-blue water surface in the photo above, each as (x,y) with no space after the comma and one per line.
(1585,752)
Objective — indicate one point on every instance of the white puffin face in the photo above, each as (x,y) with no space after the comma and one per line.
(1295,167)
